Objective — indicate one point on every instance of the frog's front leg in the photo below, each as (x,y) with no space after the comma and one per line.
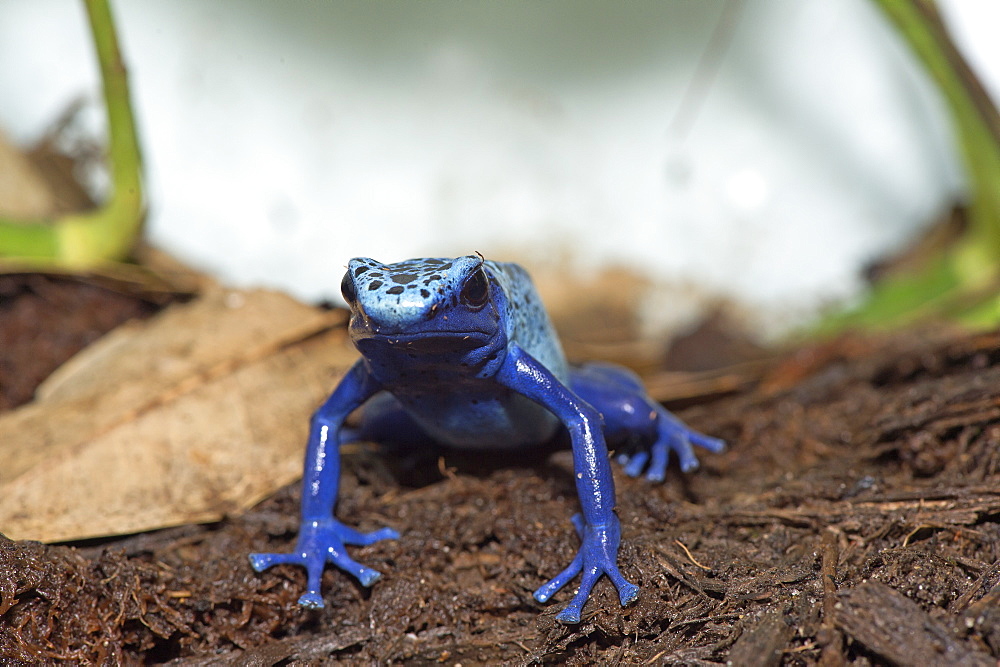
(598,526)
(630,414)
(322,538)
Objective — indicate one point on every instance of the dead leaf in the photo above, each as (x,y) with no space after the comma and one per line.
(199,412)
(23,191)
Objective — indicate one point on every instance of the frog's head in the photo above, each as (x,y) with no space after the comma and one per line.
(422,306)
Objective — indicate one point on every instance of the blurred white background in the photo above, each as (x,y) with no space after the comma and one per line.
(283,138)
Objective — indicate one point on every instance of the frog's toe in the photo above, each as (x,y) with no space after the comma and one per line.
(627,592)
(366,576)
(335,553)
(349,535)
(685,453)
(659,459)
(261,561)
(571,614)
(714,445)
(547,590)
(311,600)
(596,557)
(319,543)
(634,464)
(674,435)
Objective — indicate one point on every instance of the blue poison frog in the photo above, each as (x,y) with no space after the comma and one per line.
(461,353)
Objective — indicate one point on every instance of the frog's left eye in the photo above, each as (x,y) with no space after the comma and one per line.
(476,291)
(348,290)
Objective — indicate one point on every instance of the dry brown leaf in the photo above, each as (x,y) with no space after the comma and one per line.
(199,412)
(23,191)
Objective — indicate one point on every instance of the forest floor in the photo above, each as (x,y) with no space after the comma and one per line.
(854,519)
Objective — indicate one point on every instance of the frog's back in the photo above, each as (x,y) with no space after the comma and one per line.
(526,322)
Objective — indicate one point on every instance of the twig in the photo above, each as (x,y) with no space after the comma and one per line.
(692,558)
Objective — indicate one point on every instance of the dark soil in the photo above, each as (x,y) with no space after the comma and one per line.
(854,519)
(44,320)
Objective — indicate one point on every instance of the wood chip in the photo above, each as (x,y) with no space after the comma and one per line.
(764,644)
(879,617)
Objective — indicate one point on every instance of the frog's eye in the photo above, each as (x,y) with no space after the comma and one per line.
(476,291)
(348,290)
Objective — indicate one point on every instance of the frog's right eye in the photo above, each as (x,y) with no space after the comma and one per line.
(476,291)
(348,290)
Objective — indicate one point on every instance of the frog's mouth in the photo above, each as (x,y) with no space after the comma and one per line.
(436,342)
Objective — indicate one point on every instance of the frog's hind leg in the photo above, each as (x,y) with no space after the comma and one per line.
(617,393)
(630,416)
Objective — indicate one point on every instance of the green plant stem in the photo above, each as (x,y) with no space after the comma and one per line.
(977,126)
(961,284)
(83,240)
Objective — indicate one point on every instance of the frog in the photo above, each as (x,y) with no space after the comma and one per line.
(461,353)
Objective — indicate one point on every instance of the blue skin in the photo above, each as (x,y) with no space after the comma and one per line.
(461,352)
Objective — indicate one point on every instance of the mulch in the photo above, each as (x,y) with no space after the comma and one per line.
(854,519)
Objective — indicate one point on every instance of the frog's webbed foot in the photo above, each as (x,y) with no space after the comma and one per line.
(671,435)
(630,414)
(319,543)
(598,555)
